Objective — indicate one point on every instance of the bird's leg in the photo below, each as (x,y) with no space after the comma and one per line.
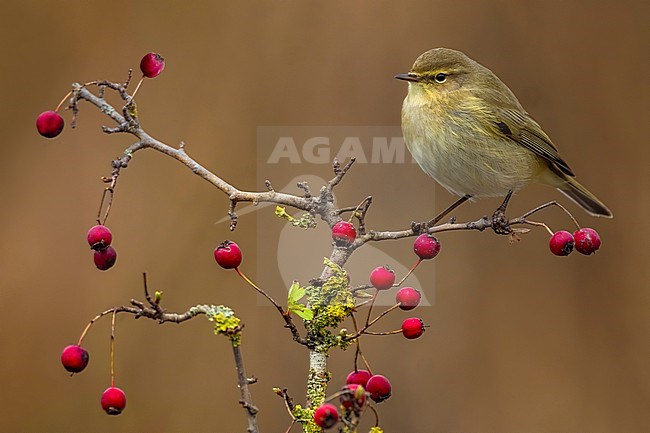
(451,207)
(421,227)
(500,223)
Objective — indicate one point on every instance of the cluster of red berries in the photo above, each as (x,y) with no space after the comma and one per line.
(359,385)
(426,247)
(383,278)
(75,359)
(585,241)
(50,124)
(99,239)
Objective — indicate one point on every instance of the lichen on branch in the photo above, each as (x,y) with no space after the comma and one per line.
(226,323)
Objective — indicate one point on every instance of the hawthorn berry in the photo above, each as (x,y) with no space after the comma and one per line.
(587,241)
(412,328)
(353,397)
(426,246)
(99,237)
(113,400)
(74,358)
(382,278)
(561,243)
(228,255)
(326,416)
(49,124)
(408,298)
(344,233)
(358,377)
(105,259)
(379,388)
(152,65)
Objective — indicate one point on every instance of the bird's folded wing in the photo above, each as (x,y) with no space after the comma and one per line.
(522,129)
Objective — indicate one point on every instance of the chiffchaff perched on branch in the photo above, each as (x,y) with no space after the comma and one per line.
(469,132)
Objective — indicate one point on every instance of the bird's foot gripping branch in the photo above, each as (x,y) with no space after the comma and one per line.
(319,306)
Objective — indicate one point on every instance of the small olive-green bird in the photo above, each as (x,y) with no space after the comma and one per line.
(468,131)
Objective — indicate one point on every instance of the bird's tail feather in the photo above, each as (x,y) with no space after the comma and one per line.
(585,199)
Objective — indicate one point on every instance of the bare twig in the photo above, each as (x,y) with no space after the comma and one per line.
(293,422)
(288,401)
(146,141)
(372,303)
(360,213)
(286,315)
(480,225)
(544,206)
(408,274)
(154,303)
(339,173)
(370,323)
(232,215)
(397,331)
(139,309)
(358,353)
(305,187)
(113,349)
(246,399)
(128,79)
(63,100)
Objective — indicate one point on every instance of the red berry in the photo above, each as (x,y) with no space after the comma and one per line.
(408,298)
(105,259)
(587,240)
(49,124)
(382,278)
(74,358)
(344,233)
(426,246)
(378,387)
(228,255)
(412,328)
(152,65)
(358,377)
(326,415)
(561,243)
(353,397)
(99,237)
(113,400)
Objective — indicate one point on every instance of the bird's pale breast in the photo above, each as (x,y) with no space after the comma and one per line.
(457,148)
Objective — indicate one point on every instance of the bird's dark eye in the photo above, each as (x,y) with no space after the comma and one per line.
(440,78)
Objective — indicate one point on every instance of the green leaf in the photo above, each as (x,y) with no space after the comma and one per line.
(303,312)
(296,293)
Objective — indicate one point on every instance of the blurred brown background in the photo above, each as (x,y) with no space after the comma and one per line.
(520,340)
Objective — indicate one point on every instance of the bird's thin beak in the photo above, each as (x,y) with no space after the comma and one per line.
(409,77)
